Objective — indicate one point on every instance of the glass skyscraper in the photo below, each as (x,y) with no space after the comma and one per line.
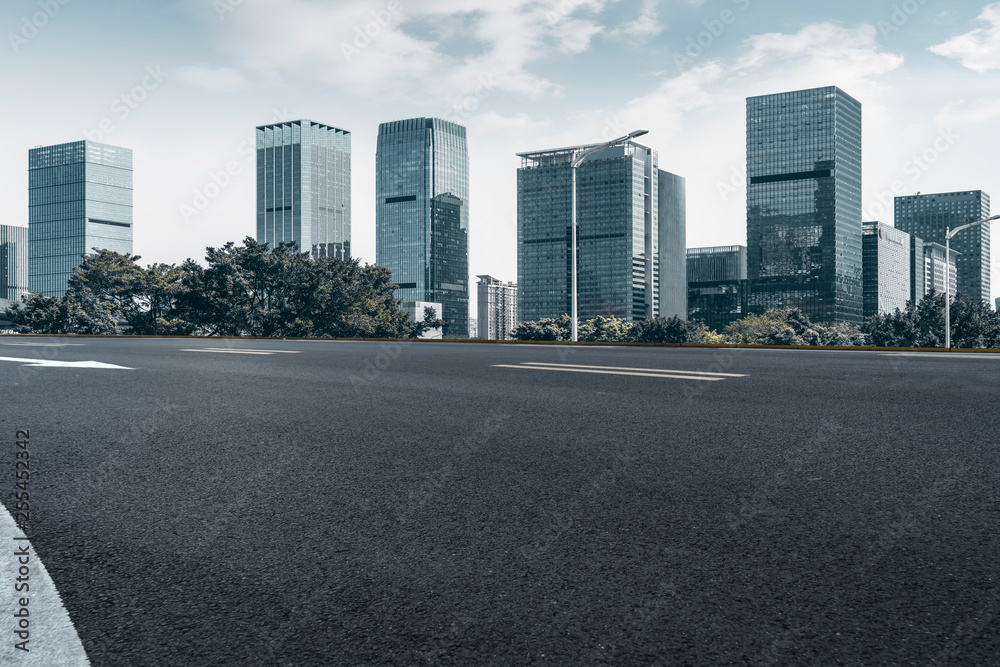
(717,285)
(304,187)
(13,262)
(422,214)
(626,206)
(804,203)
(79,200)
(928,216)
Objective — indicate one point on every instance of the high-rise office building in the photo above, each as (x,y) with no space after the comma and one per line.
(497,308)
(716,285)
(886,260)
(13,263)
(630,235)
(79,200)
(304,187)
(928,216)
(934,269)
(804,203)
(672,254)
(918,271)
(422,214)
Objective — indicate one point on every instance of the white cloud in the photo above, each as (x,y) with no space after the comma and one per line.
(978,50)
(960,113)
(225,79)
(643,28)
(371,52)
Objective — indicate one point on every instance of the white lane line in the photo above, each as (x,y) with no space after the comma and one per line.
(52,639)
(628,368)
(227,351)
(945,355)
(48,344)
(590,370)
(65,364)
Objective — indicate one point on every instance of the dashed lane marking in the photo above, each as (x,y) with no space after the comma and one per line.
(223,350)
(48,344)
(629,368)
(616,370)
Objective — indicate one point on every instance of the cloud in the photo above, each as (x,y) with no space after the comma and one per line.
(959,113)
(645,27)
(978,50)
(225,79)
(374,50)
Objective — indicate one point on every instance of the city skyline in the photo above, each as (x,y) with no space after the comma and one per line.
(512,73)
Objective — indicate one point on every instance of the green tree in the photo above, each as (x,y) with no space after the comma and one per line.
(668,330)
(430,321)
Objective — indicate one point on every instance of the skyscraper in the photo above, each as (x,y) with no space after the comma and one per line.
(928,216)
(804,203)
(717,285)
(79,200)
(497,308)
(13,262)
(886,260)
(422,214)
(626,209)
(304,187)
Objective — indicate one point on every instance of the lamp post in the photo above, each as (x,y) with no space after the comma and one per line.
(576,162)
(949,233)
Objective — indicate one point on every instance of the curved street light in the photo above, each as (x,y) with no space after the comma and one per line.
(578,158)
(949,233)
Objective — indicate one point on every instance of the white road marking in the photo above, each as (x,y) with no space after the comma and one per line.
(65,364)
(53,641)
(628,368)
(947,355)
(239,351)
(48,344)
(667,375)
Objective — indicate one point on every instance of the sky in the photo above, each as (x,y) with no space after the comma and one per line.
(183,83)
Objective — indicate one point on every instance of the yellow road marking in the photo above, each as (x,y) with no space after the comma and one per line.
(590,370)
(625,368)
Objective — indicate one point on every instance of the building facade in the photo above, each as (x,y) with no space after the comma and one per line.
(626,206)
(496,308)
(79,201)
(934,269)
(422,214)
(716,279)
(804,203)
(918,271)
(13,263)
(887,271)
(929,216)
(304,187)
(415,310)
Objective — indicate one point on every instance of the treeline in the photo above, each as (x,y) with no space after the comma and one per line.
(245,290)
(973,325)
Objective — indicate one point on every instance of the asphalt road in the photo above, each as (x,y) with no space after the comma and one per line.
(360,504)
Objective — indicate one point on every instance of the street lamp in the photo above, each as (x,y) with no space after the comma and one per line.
(577,161)
(948,234)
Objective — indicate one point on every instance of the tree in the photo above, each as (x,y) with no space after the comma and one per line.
(429,322)
(669,330)
(558,329)
(73,313)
